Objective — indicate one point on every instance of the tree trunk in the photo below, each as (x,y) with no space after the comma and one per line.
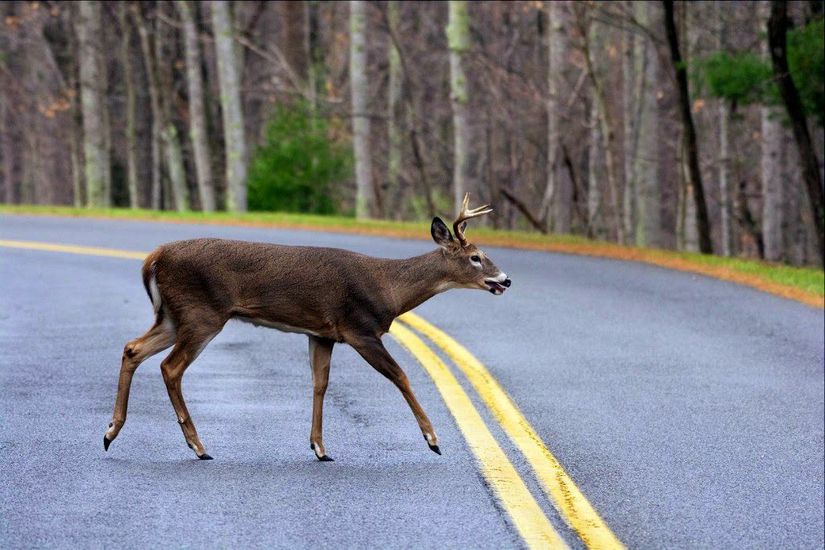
(75,132)
(365,192)
(316,54)
(633,61)
(771,164)
(458,39)
(93,104)
(724,147)
(593,41)
(169,132)
(419,152)
(8,153)
(555,66)
(565,195)
(8,129)
(690,234)
(594,192)
(645,143)
(197,111)
(691,144)
(148,50)
(295,38)
(392,202)
(129,82)
(797,225)
(233,124)
(726,233)
(771,167)
(777,37)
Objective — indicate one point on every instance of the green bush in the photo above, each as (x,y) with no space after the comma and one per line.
(806,59)
(298,167)
(746,77)
(739,77)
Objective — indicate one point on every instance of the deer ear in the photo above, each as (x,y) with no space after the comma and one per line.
(441,233)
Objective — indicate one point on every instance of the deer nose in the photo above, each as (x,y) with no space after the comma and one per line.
(507,282)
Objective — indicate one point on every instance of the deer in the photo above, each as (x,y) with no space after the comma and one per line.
(330,295)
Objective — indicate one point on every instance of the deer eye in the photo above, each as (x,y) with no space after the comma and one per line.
(475,259)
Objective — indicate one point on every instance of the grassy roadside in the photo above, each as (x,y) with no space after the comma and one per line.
(806,285)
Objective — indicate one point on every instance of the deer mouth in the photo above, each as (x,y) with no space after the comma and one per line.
(495,287)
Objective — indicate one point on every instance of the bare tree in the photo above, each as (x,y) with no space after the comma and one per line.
(231,109)
(592,37)
(93,104)
(644,142)
(131,104)
(197,111)
(726,233)
(458,39)
(392,202)
(365,192)
(8,153)
(576,116)
(633,77)
(772,138)
(555,59)
(164,42)
(594,189)
(295,37)
(148,49)
(777,37)
(691,143)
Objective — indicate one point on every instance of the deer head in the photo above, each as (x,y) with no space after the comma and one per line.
(469,266)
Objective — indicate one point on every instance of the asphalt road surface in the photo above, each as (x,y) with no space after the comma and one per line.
(689,411)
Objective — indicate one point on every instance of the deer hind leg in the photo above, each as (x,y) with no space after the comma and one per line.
(187,348)
(157,339)
(320,353)
(374,352)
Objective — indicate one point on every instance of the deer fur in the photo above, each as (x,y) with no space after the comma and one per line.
(331,295)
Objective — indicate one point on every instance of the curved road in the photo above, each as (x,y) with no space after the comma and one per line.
(688,411)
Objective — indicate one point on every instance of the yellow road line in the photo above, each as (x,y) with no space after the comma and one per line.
(569,500)
(74,249)
(532,524)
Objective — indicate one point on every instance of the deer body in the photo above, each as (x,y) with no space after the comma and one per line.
(331,295)
(324,292)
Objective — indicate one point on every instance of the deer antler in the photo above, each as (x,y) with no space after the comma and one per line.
(465,214)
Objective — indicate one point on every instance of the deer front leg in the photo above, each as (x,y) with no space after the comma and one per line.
(374,352)
(156,339)
(320,353)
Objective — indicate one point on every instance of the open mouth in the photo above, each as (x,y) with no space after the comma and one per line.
(495,287)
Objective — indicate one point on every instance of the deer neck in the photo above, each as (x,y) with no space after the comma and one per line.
(413,281)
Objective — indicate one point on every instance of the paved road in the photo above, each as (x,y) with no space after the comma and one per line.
(689,411)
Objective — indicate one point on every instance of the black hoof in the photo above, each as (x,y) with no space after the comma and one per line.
(325,458)
(435,449)
(205,456)
(106,443)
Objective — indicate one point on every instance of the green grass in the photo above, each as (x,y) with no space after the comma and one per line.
(804,278)
(807,280)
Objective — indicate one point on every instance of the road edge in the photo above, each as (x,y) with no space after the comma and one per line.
(660,258)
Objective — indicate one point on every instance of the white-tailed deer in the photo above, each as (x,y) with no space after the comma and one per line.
(328,294)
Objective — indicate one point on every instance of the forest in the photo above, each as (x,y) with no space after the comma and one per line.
(691,126)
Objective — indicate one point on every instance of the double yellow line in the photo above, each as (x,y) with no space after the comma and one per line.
(532,524)
(524,510)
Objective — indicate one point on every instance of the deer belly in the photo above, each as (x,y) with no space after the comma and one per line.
(283,327)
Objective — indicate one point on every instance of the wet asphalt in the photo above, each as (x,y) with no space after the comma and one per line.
(688,410)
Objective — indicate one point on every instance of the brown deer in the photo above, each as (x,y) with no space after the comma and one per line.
(330,295)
